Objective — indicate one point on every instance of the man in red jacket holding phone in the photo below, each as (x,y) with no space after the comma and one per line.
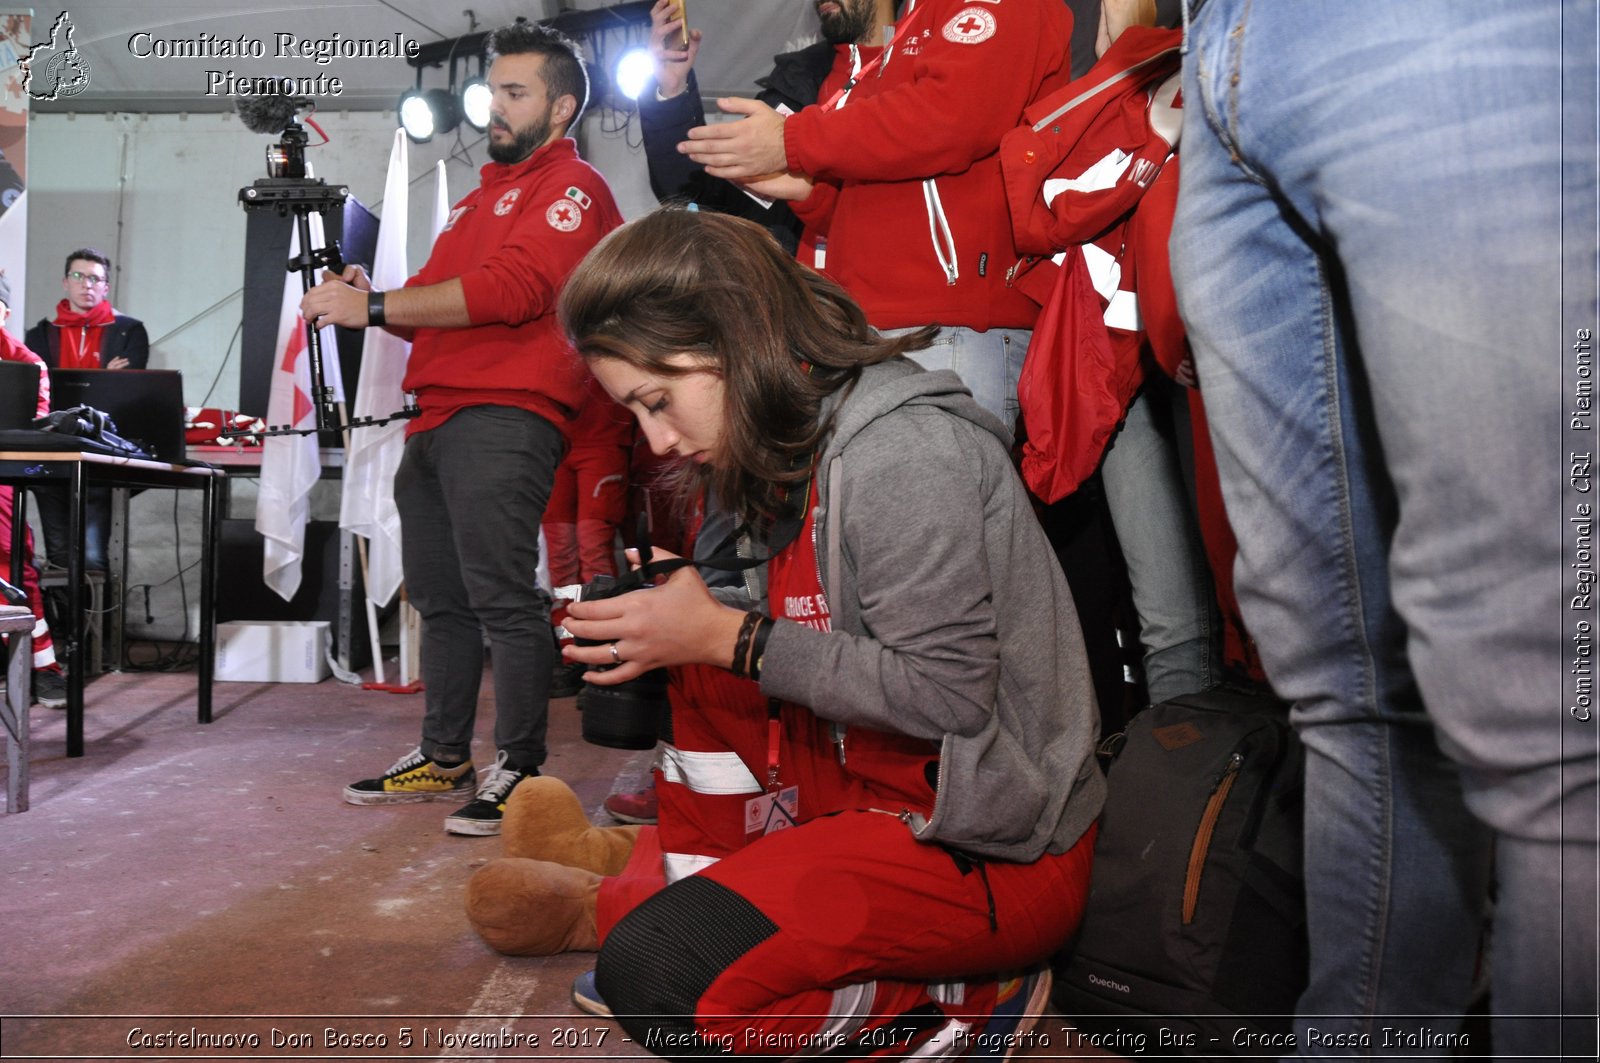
(902,174)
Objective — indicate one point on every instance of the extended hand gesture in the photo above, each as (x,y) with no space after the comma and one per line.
(742,150)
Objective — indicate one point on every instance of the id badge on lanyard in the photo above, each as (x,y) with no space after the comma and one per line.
(779,807)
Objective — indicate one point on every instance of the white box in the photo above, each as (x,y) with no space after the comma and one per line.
(272,651)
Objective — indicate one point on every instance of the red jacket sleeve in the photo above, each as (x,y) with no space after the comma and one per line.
(522,279)
(976,67)
(816,210)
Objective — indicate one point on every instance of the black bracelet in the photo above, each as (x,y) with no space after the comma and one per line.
(758,645)
(741,648)
(375,308)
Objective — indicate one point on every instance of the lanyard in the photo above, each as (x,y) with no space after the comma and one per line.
(774,706)
(774,735)
(837,99)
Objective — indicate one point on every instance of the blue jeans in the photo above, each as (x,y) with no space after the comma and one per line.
(471,494)
(989,363)
(1382,291)
(1144,489)
(1161,546)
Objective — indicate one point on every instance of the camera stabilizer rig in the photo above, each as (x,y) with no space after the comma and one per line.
(287,190)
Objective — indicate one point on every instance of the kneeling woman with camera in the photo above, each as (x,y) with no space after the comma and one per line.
(913,752)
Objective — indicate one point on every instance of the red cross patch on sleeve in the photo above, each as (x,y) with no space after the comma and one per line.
(972,25)
(564,215)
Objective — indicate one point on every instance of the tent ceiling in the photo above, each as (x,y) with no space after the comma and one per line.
(742,36)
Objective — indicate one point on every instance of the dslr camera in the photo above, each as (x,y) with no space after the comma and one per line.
(634,714)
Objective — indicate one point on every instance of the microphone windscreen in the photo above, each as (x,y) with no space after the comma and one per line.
(266,114)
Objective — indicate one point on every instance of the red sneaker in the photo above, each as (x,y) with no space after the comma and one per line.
(633,808)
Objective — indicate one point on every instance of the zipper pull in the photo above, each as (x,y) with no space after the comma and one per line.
(1235,762)
(1016,267)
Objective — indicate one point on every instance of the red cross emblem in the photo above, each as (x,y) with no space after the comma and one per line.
(564,215)
(503,205)
(973,25)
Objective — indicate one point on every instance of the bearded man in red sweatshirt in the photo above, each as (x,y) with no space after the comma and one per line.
(497,384)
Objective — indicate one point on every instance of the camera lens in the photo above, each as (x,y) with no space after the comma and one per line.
(630,715)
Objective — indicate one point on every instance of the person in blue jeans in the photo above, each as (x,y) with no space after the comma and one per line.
(1385,256)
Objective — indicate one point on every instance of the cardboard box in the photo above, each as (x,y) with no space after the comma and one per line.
(272,651)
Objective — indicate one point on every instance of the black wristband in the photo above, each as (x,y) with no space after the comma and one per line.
(758,645)
(741,647)
(375,308)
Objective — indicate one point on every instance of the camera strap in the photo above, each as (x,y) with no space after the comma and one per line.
(784,531)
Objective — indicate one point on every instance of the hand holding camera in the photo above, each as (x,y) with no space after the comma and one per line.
(625,629)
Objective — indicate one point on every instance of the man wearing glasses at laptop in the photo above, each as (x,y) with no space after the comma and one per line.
(87,333)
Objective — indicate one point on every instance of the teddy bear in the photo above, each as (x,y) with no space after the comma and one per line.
(539,899)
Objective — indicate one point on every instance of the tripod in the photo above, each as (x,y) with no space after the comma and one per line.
(303,197)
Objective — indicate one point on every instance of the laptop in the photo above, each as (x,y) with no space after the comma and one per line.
(145,404)
(19,394)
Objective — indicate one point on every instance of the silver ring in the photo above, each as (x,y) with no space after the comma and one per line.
(616,658)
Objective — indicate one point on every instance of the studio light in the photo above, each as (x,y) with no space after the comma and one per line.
(635,70)
(602,33)
(424,114)
(475,99)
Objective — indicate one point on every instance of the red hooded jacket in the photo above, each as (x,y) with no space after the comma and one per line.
(1075,174)
(908,173)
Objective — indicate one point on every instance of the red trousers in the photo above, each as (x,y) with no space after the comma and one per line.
(588,501)
(44,653)
(842,927)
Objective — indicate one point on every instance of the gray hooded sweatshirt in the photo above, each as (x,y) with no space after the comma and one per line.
(951,618)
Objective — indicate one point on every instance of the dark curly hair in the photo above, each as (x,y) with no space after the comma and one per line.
(565,73)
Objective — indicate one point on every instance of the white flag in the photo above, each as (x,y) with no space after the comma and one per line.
(367,504)
(289,463)
(441,199)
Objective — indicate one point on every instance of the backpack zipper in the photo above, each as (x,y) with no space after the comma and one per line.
(1203,833)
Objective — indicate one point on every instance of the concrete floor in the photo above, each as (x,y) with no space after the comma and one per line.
(181,877)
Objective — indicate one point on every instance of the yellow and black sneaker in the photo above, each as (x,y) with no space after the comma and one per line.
(483,813)
(413,777)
